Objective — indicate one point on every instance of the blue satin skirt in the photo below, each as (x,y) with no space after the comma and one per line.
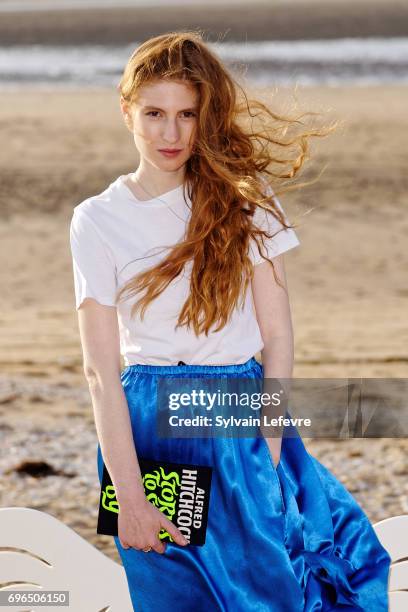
(285,539)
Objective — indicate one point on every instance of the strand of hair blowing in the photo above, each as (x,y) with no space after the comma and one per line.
(225,178)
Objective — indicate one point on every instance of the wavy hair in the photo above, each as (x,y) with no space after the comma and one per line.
(226,176)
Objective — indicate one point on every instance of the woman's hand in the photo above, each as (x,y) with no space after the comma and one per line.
(139,527)
(275,447)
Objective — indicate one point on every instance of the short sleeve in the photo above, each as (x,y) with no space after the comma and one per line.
(93,262)
(282,241)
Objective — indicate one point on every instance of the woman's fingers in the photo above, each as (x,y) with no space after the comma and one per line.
(173,531)
(159,546)
(147,535)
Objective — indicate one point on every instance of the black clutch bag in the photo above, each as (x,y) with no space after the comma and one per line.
(180,491)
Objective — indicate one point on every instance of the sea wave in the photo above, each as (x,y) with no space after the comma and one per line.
(330,62)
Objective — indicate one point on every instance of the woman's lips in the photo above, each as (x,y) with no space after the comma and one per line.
(170,152)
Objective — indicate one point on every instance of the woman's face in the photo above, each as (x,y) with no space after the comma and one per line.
(163,117)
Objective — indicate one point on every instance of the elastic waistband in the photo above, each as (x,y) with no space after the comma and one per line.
(193,369)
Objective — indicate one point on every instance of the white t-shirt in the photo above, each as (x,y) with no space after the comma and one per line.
(114,236)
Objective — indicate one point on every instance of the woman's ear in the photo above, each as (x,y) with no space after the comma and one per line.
(127,116)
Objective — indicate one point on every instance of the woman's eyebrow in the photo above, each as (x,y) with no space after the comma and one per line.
(182,110)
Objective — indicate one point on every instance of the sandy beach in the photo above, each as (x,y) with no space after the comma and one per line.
(347,283)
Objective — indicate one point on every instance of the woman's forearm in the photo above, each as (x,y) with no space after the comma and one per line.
(115,436)
(277,362)
(277,358)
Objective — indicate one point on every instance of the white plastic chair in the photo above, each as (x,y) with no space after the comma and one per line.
(393,535)
(59,559)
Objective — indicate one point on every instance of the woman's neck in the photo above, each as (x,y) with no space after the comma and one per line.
(147,184)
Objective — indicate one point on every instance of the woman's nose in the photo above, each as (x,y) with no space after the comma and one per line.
(171,131)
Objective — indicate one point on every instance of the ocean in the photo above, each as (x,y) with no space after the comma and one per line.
(333,62)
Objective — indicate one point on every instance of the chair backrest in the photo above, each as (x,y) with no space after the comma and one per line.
(393,535)
(45,554)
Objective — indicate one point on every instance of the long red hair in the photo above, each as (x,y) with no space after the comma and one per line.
(225,177)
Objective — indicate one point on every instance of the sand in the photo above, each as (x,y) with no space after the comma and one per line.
(347,283)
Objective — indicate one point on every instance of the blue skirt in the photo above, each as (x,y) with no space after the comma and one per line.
(285,539)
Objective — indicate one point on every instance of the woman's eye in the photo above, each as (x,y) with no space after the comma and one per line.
(186,114)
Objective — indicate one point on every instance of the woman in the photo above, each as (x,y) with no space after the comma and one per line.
(179,267)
